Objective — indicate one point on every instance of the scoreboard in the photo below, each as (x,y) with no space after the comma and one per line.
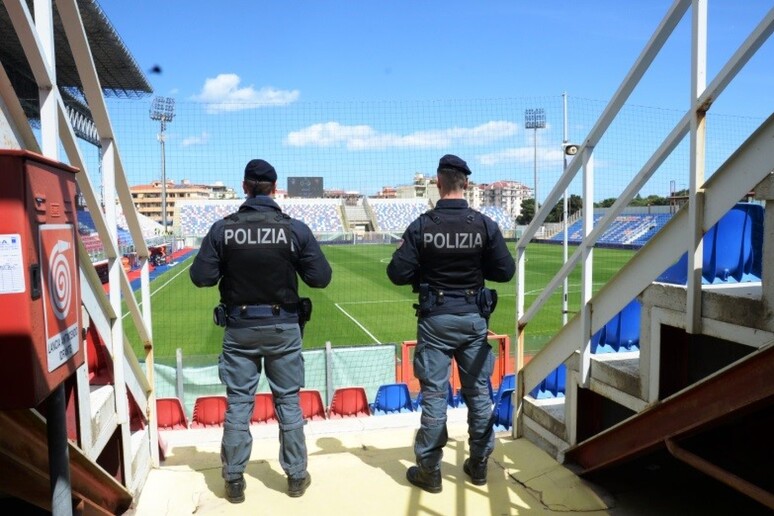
(306,187)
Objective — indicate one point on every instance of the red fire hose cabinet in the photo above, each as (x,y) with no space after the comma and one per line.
(40,301)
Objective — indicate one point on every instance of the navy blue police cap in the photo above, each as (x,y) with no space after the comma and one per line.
(260,170)
(450,161)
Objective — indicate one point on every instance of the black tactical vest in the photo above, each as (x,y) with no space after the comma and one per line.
(452,244)
(257,265)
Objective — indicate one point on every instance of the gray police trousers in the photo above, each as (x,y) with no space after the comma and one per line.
(439,338)
(278,348)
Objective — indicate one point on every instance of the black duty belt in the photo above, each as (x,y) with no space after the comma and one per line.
(260,311)
(456,293)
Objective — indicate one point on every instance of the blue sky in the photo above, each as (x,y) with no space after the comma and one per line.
(282,53)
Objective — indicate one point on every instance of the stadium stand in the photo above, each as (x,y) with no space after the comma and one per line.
(630,231)
(349,402)
(148,227)
(209,411)
(396,214)
(499,215)
(321,215)
(391,398)
(732,249)
(194,218)
(171,415)
(86,223)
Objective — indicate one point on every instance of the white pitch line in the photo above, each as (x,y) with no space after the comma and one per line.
(139,303)
(358,323)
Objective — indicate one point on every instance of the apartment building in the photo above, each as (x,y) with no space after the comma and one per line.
(148,198)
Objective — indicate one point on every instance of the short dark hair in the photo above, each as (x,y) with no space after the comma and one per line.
(454,179)
(259,187)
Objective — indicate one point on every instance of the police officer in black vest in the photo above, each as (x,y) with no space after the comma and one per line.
(446,255)
(255,257)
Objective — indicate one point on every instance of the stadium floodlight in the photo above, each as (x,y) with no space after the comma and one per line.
(535,119)
(163,110)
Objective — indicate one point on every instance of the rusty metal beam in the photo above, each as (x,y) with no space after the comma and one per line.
(24,471)
(743,386)
(734,481)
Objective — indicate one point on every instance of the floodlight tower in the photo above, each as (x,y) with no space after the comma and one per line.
(163,110)
(535,119)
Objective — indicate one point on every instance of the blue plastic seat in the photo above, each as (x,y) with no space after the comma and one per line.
(508,381)
(629,327)
(598,343)
(553,385)
(732,249)
(502,414)
(621,333)
(391,398)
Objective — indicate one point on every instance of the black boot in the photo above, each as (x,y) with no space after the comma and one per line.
(476,470)
(297,485)
(430,481)
(235,490)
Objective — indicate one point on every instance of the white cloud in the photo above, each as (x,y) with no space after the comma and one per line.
(223,94)
(520,155)
(363,137)
(202,139)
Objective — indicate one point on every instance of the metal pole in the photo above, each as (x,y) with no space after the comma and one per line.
(534,140)
(565,285)
(58,454)
(535,119)
(163,181)
(328,373)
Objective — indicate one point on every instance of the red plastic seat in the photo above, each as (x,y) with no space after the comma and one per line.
(264,409)
(209,411)
(170,414)
(349,402)
(99,366)
(136,416)
(312,406)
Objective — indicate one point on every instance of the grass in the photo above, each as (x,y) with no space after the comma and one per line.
(361,306)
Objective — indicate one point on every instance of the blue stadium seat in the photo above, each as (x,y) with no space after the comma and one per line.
(598,344)
(621,333)
(390,398)
(502,414)
(553,385)
(507,382)
(732,249)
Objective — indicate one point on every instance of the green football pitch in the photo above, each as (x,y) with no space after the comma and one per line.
(361,306)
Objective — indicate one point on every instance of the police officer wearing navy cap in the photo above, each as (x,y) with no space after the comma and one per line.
(255,256)
(447,254)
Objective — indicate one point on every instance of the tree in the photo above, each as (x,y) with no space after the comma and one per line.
(605,203)
(574,204)
(527,212)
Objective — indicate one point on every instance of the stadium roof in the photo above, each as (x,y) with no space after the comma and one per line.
(117,70)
